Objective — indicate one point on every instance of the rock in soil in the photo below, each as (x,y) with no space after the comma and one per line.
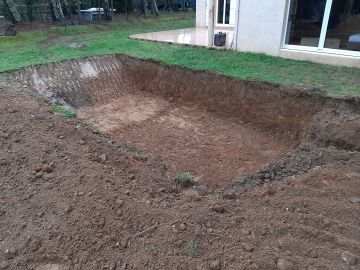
(283,264)
(4,265)
(52,266)
(218,208)
(348,258)
(229,195)
(248,247)
(215,265)
(10,253)
(182,226)
(355,200)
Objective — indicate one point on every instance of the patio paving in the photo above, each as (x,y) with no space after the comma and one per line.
(188,36)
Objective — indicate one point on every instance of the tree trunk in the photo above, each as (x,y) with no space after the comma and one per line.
(78,11)
(112,10)
(154,7)
(99,10)
(16,17)
(29,10)
(174,5)
(144,8)
(68,11)
(59,15)
(107,13)
(150,7)
(126,10)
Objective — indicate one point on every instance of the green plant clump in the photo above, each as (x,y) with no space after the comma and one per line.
(193,249)
(65,112)
(185,179)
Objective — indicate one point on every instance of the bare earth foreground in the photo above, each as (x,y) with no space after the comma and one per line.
(72,197)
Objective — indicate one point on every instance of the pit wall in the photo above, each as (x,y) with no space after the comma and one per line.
(81,82)
(96,80)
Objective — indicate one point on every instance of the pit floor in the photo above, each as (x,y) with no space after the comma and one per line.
(215,150)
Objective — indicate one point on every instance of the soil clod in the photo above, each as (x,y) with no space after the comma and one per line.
(349,258)
(283,264)
(215,265)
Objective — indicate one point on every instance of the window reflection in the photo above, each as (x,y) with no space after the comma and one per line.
(223,16)
(305,21)
(220,11)
(344,25)
(227,11)
(341,26)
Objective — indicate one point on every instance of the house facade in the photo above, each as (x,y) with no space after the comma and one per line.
(324,31)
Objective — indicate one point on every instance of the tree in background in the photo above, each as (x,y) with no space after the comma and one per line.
(154,8)
(58,12)
(107,12)
(143,7)
(66,10)
(15,14)
(29,10)
(78,11)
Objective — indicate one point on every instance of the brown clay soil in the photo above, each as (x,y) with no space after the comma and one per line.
(215,150)
(72,197)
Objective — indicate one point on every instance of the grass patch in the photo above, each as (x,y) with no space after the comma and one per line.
(129,148)
(52,44)
(60,110)
(193,249)
(185,179)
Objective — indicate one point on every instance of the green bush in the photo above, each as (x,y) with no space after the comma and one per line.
(185,179)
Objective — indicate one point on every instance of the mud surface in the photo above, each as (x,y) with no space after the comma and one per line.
(74,198)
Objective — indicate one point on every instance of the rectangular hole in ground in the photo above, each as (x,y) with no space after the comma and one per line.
(215,127)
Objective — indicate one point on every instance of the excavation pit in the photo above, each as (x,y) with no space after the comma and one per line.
(215,150)
(214,127)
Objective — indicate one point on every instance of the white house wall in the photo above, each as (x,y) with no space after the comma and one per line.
(201,13)
(260,26)
(232,12)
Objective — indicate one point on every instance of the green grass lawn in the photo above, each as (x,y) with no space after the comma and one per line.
(52,44)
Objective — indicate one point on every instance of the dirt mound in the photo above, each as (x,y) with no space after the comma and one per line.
(339,128)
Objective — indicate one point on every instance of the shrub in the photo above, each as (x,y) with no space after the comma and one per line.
(185,179)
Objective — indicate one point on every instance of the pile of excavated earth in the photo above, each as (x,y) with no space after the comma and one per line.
(272,173)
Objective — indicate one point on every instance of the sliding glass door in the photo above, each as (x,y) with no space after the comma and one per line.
(324,25)
(344,25)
